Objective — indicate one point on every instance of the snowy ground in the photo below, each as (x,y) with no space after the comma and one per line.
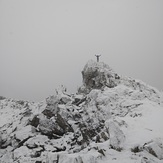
(112,119)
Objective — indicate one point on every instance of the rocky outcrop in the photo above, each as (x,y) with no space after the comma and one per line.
(56,126)
(109,119)
(97,75)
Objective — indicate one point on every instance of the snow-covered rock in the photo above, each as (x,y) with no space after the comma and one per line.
(111,119)
(25,133)
(155,148)
(117,137)
(97,75)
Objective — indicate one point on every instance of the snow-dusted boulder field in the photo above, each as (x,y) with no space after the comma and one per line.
(111,119)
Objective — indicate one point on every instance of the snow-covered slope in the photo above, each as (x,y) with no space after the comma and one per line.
(111,119)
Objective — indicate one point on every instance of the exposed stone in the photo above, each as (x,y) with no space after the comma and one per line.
(65,99)
(117,137)
(48,127)
(98,75)
(63,124)
(78,101)
(95,126)
(136,149)
(35,121)
(49,113)
(155,148)
(24,133)
(27,113)
(104,136)
(101,151)
(54,126)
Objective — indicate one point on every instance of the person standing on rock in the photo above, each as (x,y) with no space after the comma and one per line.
(98,56)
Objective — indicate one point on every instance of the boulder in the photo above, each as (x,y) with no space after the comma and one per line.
(98,74)
(117,137)
(24,133)
(57,125)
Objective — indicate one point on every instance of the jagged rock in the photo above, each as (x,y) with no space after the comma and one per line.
(35,121)
(109,120)
(27,112)
(87,133)
(79,99)
(52,100)
(48,113)
(155,148)
(102,137)
(50,128)
(55,126)
(5,142)
(64,99)
(63,124)
(97,75)
(101,151)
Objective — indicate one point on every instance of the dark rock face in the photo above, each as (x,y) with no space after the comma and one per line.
(48,113)
(51,121)
(35,121)
(87,133)
(93,78)
(63,124)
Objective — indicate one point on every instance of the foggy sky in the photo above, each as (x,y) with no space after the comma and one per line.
(46,43)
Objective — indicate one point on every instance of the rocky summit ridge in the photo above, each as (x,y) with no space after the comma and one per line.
(110,119)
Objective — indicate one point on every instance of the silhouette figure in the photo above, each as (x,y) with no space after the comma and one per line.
(98,56)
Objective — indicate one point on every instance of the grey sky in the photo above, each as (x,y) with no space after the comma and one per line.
(45,43)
